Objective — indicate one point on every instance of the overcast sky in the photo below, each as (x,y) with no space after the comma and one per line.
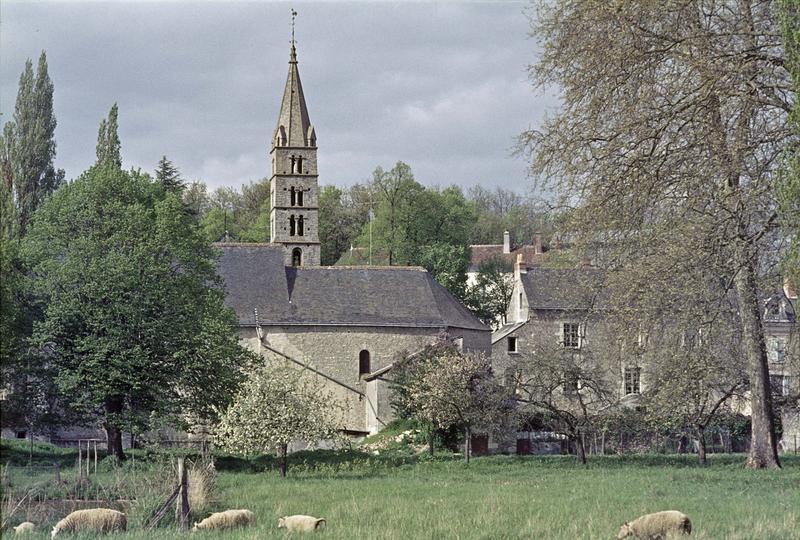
(441,86)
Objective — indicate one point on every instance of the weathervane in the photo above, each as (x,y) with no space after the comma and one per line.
(294,14)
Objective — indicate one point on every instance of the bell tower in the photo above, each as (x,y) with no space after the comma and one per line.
(294,188)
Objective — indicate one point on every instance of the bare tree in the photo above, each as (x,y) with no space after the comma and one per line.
(673,120)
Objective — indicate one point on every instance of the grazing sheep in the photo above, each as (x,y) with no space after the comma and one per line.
(99,520)
(301,523)
(226,520)
(24,527)
(657,526)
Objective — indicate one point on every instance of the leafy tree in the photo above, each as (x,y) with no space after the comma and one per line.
(196,199)
(490,296)
(133,311)
(109,148)
(692,376)
(566,388)
(395,209)
(28,145)
(448,264)
(277,404)
(454,389)
(667,145)
(169,176)
(341,219)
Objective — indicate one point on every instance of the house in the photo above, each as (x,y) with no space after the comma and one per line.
(565,310)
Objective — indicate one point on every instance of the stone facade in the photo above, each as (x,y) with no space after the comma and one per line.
(294,185)
(334,353)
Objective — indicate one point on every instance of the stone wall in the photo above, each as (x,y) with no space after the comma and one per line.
(334,351)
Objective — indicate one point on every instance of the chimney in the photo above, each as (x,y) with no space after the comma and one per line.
(519,267)
(537,243)
(506,242)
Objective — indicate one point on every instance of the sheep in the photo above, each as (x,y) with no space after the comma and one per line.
(93,520)
(24,527)
(301,523)
(657,526)
(226,520)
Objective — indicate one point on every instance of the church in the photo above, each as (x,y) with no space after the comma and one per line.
(349,324)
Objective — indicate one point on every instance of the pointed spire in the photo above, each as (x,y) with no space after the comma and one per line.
(294,127)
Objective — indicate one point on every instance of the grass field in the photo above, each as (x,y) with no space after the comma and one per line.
(504,497)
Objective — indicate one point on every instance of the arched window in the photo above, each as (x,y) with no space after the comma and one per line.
(297,257)
(363,362)
(300,226)
(299,197)
(291,225)
(299,163)
(292,196)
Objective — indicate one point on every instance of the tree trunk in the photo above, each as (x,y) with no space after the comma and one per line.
(113,432)
(580,446)
(763,447)
(467,443)
(431,438)
(701,444)
(284,459)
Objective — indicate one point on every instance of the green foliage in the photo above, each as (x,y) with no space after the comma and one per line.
(109,147)
(169,176)
(448,264)
(340,221)
(133,312)
(28,144)
(788,185)
(490,296)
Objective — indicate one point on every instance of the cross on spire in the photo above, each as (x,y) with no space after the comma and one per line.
(294,14)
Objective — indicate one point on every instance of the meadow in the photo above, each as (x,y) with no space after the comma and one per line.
(500,497)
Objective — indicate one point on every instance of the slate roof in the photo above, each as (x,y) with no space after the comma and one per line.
(563,289)
(255,278)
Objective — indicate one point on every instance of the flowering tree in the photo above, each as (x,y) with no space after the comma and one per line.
(460,390)
(277,404)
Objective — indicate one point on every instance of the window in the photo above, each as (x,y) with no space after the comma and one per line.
(292,196)
(777,350)
(299,165)
(299,197)
(291,225)
(632,380)
(363,362)
(22,434)
(779,384)
(571,335)
(512,345)
(297,257)
(300,226)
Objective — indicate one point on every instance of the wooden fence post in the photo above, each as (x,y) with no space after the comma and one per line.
(95,457)
(182,507)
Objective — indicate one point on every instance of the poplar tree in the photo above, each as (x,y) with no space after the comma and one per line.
(28,145)
(673,123)
(108,144)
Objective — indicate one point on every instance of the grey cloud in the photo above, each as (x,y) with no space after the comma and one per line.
(441,86)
